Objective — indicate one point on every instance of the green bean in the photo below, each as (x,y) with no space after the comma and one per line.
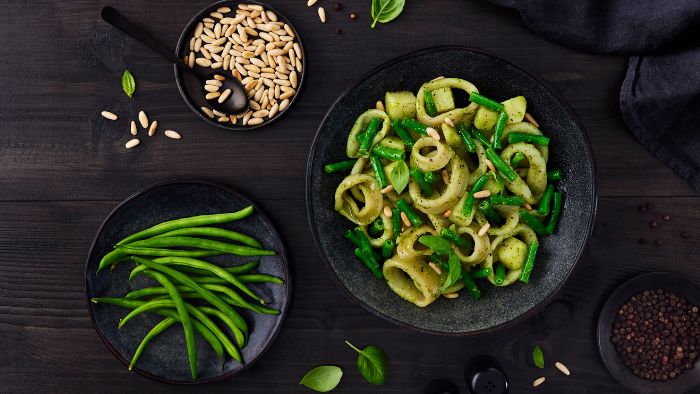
(517,159)
(199,327)
(466,138)
(469,201)
(389,153)
(250,278)
(238,299)
(409,212)
(485,102)
(379,172)
(350,234)
(480,273)
(531,138)
(430,177)
(213,232)
(368,138)
(227,320)
(457,239)
(388,248)
(203,265)
(556,212)
(179,304)
(530,261)
(415,126)
(429,103)
(506,200)
(546,201)
(481,137)
(396,221)
(367,260)
(235,270)
(534,224)
(419,177)
(194,221)
(155,331)
(499,274)
(554,175)
(471,286)
(501,165)
(111,258)
(167,252)
(225,341)
(201,243)
(402,133)
(208,295)
(498,130)
(365,245)
(377,226)
(344,165)
(491,215)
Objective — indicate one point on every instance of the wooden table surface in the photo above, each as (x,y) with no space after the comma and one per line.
(63,168)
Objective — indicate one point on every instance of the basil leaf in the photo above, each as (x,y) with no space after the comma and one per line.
(538,357)
(128,83)
(454,273)
(323,378)
(399,176)
(386,10)
(371,363)
(439,245)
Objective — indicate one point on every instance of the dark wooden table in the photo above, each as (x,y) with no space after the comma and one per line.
(63,168)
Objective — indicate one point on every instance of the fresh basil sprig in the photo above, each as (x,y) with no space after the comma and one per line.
(438,244)
(454,273)
(384,11)
(372,364)
(538,357)
(399,176)
(323,378)
(128,83)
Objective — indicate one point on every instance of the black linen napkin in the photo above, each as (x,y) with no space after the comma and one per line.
(660,96)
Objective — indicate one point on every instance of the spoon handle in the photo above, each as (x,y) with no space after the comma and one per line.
(118,20)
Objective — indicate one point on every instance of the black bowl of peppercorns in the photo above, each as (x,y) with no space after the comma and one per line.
(649,334)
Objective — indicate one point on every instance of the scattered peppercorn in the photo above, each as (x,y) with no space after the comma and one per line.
(685,234)
(653,223)
(642,241)
(658,242)
(667,216)
(337,6)
(657,334)
(338,30)
(353,16)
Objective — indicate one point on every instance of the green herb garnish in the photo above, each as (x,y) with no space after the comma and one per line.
(323,378)
(454,273)
(399,176)
(438,244)
(128,83)
(371,363)
(538,357)
(384,11)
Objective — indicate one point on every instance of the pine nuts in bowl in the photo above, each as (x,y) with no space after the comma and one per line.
(249,41)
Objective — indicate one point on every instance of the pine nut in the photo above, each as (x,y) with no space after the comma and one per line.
(204,62)
(527,206)
(310,3)
(405,220)
(284,104)
(490,165)
(449,122)
(322,14)
(562,368)
(451,295)
(445,177)
(255,121)
(387,189)
(152,129)
(538,381)
(222,119)
(208,112)
(143,119)
(447,213)
(273,110)
(211,88)
(482,194)
(198,30)
(532,120)
(218,113)
(132,143)
(172,134)
(379,105)
(190,60)
(484,229)
(109,115)
(223,10)
(286,95)
(213,95)
(387,211)
(433,133)
(261,113)
(224,96)
(435,268)
(133,130)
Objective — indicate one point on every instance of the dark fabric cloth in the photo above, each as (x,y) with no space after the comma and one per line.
(660,96)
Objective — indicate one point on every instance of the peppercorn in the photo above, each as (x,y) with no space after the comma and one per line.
(353,16)
(653,224)
(666,216)
(656,333)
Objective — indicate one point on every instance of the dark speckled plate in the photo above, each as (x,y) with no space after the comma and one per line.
(165,359)
(569,150)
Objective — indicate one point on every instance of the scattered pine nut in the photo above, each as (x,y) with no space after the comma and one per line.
(449,122)
(433,133)
(322,14)
(207,112)
(255,121)
(532,120)
(387,189)
(405,220)
(133,128)
(447,213)
(490,165)
(152,129)
(562,368)
(538,381)
(482,194)
(437,79)
(451,295)
(445,177)
(435,268)
(387,211)
(379,105)
(132,143)
(484,229)
(172,134)
(219,77)
(213,95)
(310,3)
(109,115)
(143,119)
(224,96)
(527,206)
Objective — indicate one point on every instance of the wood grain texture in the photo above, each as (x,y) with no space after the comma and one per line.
(63,168)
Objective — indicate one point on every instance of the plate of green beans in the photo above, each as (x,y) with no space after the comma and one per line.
(187,282)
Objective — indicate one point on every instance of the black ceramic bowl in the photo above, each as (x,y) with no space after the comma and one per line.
(569,150)
(165,358)
(612,360)
(190,87)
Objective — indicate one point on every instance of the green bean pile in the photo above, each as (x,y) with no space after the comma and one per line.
(442,195)
(192,291)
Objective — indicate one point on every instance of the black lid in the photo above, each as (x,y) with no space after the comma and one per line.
(484,376)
